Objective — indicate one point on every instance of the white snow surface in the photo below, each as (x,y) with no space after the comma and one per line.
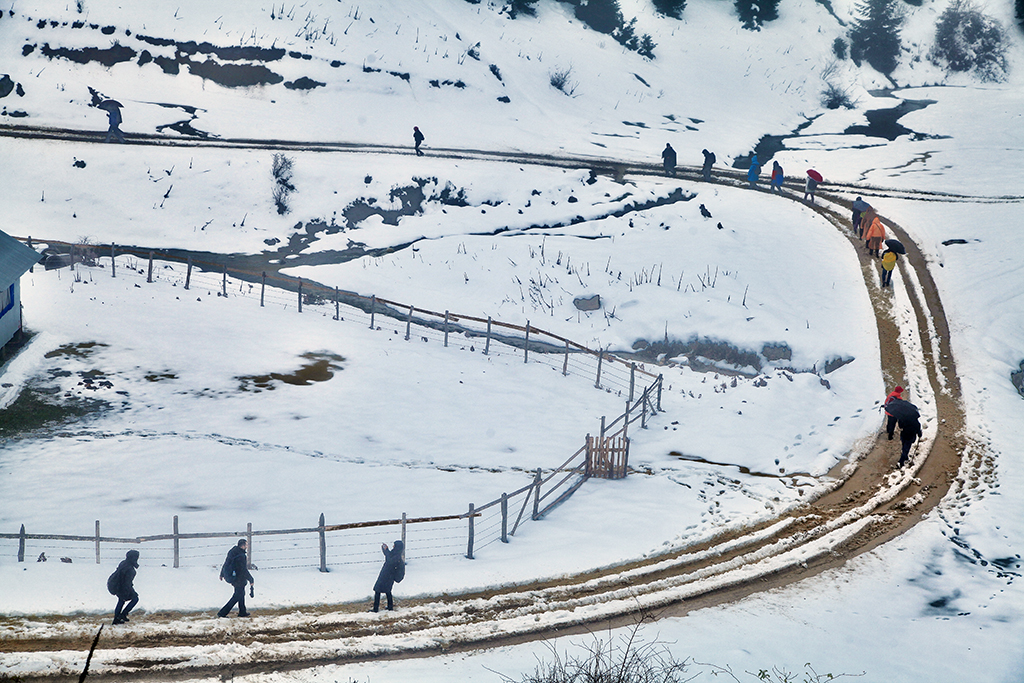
(191,429)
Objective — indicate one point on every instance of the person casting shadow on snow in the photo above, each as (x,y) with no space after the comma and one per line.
(121,583)
(393,571)
(753,172)
(668,159)
(236,572)
(417,137)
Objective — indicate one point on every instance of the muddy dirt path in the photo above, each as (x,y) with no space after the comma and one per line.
(868,505)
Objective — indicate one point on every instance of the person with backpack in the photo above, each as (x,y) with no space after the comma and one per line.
(392,572)
(417,138)
(122,584)
(753,172)
(236,572)
(709,161)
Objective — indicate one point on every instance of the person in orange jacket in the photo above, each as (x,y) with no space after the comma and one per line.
(874,233)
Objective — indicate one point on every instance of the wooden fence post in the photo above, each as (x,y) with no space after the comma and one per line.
(97,541)
(149,276)
(408,324)
(113,266)
(446,331)
(373,309)
(337,305)
(536,494)
(565,362)
(625,424)
(72,258)
(632,379)
(31,269)
(469,550)
(487,344)
(188,273)
(300,295)
(176,543)
(403,536)
(504,518)
(600,357)
(590,457)
(248,543)
(263,287)
(602,427)
(660,382)
(224,282)
(323,545)
(21,544)
(644,400)
(526,344)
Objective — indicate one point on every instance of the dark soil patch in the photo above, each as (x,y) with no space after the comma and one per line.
(107,57)
(234,75)
(32,411)
(320,368)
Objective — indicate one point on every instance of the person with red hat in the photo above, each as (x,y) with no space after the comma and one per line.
(890,419)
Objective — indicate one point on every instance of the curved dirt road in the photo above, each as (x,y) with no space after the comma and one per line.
(868,505)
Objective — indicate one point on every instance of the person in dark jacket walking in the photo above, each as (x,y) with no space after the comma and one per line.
(890,420)
(910,431)
(114,121)
(122,584)
(392,571)
(709,161)
(236,572)
(859,206)
(777,177)
(417,137)
(668,158)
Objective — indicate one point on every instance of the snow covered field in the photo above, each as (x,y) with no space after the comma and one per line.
(413,427)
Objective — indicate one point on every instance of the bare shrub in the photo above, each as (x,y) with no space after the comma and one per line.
(562,80)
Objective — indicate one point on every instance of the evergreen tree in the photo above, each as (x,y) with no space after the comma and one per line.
(601,15)
(755,13)
(968,40)
(875,36)
(674,8)
(1020,15)
(517,7)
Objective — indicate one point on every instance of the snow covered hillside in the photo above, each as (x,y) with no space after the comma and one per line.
(182,402)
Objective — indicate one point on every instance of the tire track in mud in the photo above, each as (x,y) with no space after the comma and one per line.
(868,505)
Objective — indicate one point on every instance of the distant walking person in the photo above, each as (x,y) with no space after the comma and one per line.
(236,572)
(393,571)
(417,137)
(709,161)
(777,177)
(668,158)
(753,172)
(113,109)
(122,584)
(811,186)
(859,206)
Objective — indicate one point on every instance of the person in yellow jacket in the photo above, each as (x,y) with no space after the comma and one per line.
(888,265)
(874,233)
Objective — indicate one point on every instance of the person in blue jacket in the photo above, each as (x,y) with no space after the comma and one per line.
(754,171)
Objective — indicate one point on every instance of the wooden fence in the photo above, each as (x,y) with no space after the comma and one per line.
(604,455)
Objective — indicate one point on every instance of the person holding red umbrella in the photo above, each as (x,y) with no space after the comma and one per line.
(813,178)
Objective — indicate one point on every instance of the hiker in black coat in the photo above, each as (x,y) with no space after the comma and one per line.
(236,572)
(417,138)
(668,158)
(910,431)
(122,585)
(392,571)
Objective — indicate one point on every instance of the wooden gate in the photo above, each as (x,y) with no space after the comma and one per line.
(607,457)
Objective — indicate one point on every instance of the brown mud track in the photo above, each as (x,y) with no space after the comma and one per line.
(868,504)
